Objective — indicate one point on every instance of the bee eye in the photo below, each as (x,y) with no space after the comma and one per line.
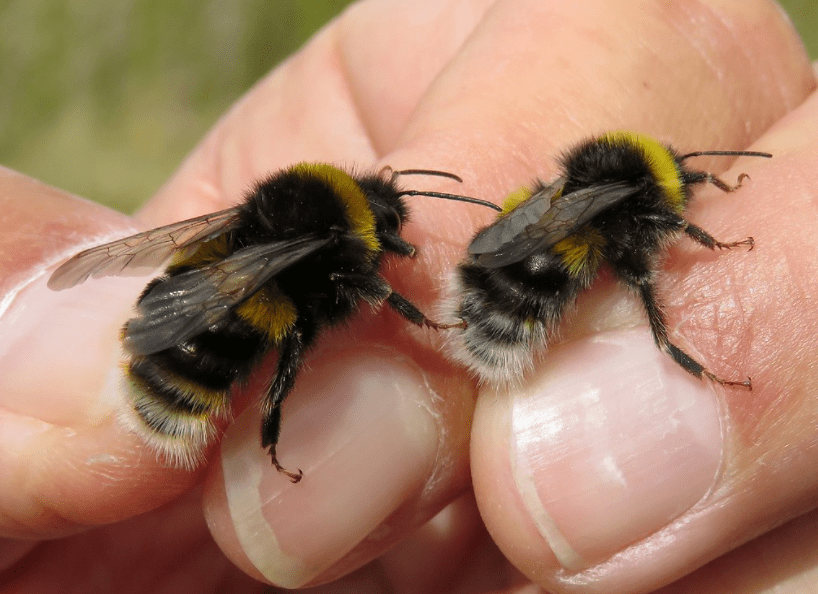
(393,219)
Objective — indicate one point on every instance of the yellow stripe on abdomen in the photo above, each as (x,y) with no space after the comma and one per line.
(270,312)
(215,250)
(581,252)
(514,199)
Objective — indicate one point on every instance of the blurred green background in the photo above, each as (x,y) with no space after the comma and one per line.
(104,98)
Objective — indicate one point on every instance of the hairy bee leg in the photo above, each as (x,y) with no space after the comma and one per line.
(290,359)
(702,237)
(723,185)
(379,289)
(392,242)
(658,327)
(407,309)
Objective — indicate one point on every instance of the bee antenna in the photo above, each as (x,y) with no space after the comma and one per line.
(727,153)
(427,172)
(451,197)
(442,195)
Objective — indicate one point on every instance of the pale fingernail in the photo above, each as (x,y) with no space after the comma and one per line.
(363,431)
(611,442)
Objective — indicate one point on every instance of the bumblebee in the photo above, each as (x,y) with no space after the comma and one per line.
(299,254)
(620,200)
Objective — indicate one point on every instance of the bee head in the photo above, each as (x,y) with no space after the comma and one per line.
(386,202)
(391,196)
(389,207)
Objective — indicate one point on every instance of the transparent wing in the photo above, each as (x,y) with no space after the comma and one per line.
(544,221)
(510,226)
(142,252)
(184,305)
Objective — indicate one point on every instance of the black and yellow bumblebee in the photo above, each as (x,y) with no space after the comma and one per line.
(620,200)
(297,255)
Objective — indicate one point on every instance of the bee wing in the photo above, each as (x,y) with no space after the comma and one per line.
(147,250)
(187,304)
(513,224)
(545,220)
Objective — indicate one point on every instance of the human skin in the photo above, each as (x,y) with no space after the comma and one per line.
(387,431)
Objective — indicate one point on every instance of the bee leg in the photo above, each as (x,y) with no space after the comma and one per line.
(289,362)
(658,327)
(701,236)
(723,185)
(392,242)
(376,290)
(408,310)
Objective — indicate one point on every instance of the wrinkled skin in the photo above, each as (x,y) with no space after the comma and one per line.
(385,429)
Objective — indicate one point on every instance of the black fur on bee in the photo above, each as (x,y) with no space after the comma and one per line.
(299,255)
(619,201)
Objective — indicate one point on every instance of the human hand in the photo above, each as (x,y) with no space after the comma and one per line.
(380,422)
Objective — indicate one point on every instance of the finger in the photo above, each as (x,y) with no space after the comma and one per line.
(65,463)
(364,427)
(613,470)
(181,558)
(576,84)
(783,560)
(67,419)
(452,552)
(470,119)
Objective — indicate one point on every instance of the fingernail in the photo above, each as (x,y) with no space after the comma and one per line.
(362,429)
(611,442)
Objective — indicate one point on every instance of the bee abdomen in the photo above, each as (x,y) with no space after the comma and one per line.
(507,327)
(177,395)
(492,355)
(497,343)
(173,413)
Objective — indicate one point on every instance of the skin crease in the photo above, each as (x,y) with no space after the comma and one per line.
(491,91)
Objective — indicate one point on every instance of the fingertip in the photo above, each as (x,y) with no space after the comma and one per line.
(58,481)
(363,428)
(67,462)
(606,445)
